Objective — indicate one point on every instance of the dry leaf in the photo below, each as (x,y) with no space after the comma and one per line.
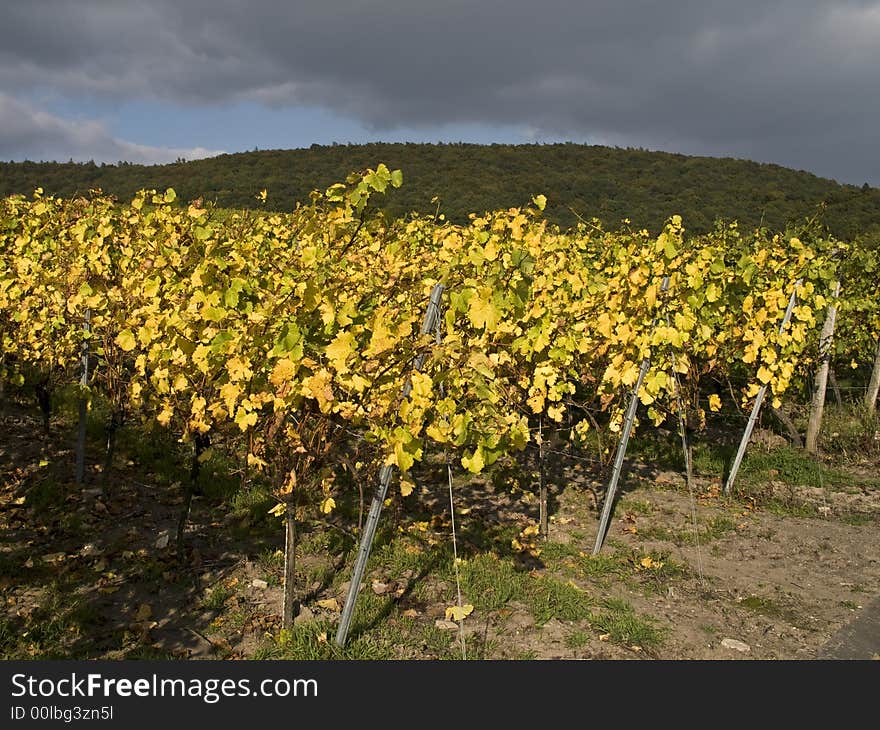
(331,604)
(144,612)
(458,613)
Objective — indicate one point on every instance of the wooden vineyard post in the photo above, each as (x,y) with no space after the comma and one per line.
(429,325)
(543,519)
(874,384)
(818,404)
(83,403)
(758,400)
(622,444)
(289,566)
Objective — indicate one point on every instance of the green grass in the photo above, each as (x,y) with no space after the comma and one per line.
(490,583)
(848,431)
(578,639)
(547,598)
(765,607)
(216,597)
(708,530)
(636,506)
(603,565)
(618,619)
(52,631)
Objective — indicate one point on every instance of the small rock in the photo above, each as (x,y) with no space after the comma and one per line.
(259,583)
(445,625)
(736,645)
(305,615)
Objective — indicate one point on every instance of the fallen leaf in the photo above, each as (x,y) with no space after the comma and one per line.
(144,612)
(331,604)
(458,613)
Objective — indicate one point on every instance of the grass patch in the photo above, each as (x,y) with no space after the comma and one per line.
(216,598)
(548,598)
(490,583)
(791,466)
(857,519)
(708,531)
(618,619)
(578,639)
(765,607)
(709,459)
(635,506)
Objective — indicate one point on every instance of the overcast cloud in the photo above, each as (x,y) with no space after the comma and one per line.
(795,82)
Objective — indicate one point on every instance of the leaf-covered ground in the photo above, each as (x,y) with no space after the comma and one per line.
(773,573)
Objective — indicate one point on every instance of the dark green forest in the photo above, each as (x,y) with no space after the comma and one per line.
(580,181)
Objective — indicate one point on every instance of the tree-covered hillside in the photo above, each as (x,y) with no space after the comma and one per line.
(579,181)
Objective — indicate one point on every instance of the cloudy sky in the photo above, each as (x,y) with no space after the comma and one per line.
(795,82)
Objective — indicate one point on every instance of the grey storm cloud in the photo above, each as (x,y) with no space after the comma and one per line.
(29,133)
(792,81)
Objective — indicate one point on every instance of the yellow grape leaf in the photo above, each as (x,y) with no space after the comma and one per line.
(278,510)
(764,375)
(245,420)
(475,462)
(328,505)
(339,350)
(458,613)
(406,487)
(380,339)
(331,604)
(238,369)
(283,372)
(319,387)
(714,402)
(126,340)
(165,415)
(483,312)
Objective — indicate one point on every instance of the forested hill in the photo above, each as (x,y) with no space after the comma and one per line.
(587,181)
